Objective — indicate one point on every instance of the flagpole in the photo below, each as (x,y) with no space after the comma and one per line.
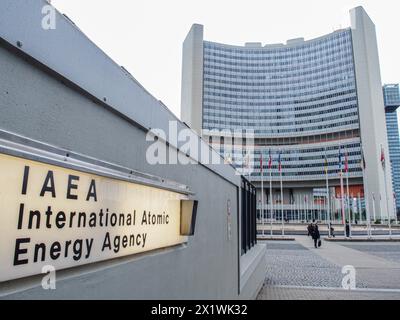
(342,190)
(262,193)
(298,209)
(387,204)
(374,209)
(341,199)
(270,196)
(348,203)
(276,209)
(395,208)
(327,203)
(306,206)
(387,198)
(336,208)
(283,223)
(319,209)
(366,196)
(306,198)
(280,174)
(367,212)
(320,204)
(346,168)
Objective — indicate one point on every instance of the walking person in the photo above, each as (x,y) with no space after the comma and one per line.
(347,229)
(330,226)
(309,229)
(316,235)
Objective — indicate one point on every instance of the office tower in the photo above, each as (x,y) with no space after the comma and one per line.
(304,100)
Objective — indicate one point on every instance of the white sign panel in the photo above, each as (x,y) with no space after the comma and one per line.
(50,215)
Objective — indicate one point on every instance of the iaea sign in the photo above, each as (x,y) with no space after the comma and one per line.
(51,215)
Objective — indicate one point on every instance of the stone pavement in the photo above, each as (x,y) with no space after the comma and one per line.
(305,293)
(296,270)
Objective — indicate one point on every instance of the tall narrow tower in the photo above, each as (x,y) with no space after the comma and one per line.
(372,115)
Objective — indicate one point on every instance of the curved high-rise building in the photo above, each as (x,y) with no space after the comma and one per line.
(308,103)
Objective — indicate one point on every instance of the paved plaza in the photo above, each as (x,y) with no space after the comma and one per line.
(296,270)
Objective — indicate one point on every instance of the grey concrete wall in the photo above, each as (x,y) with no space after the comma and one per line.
(59,88)
(38,106)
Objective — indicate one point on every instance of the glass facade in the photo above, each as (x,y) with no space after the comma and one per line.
(391,95)
(300,100)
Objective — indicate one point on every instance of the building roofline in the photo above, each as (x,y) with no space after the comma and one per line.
(289,43)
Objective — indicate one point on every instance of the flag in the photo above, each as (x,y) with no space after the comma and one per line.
(363,163)
(279,162)
(340,159)
(382,157)
(270,160)
(326,165)
(346,162)
(261,164)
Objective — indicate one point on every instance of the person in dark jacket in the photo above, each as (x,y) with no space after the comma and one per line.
(309,229)
(331,229)
(315,234)
(347,229)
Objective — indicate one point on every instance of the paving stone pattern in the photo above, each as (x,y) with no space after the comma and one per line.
(295,272)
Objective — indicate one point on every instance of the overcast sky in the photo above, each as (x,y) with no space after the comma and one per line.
(145,36)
